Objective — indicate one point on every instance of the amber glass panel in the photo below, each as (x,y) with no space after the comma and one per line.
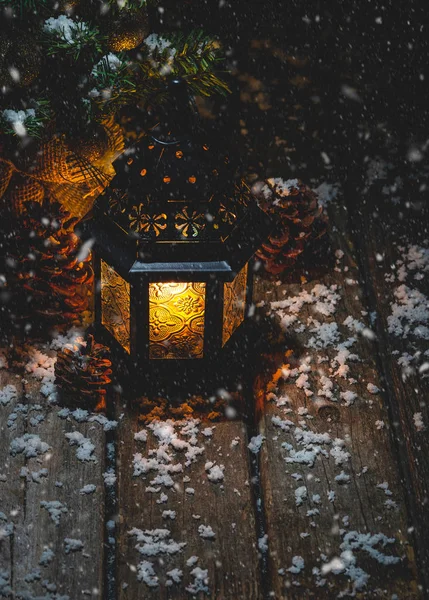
(115,305)
(234,304)
(176,320)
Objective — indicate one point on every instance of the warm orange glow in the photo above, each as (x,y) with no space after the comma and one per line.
(179,154)
(143,172)
(176,320)
(192,179)
(167,179)
(234,304)
(115,305)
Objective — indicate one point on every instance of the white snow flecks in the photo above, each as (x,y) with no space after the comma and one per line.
(177,449)
(409,315)
(263,543)
(87,489)
(372,389)
(156,542)
(255,443)
(206,532)
(200,583)
(280,187)
(73,545)
(418,421)
(65,28)
(327,192)
(83,416)
(46,557)
(42,367)
(8,394)
(169,514)
(30,445)
(141,436)
(35,476)
(175,576)
(85,447)
(297,565)
(55,509)
(146,574)
(215,473)
(366,542)
(109,478)
(300,495)
(109,62)
(338,453)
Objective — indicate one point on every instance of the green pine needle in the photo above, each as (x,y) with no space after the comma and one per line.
(83,37)
(34,125)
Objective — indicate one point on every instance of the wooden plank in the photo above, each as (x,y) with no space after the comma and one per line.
(58,544)
(227,564)
(330,523)
(11,486)
(393,246)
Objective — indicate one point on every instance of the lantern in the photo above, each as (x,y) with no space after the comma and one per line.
(174,235)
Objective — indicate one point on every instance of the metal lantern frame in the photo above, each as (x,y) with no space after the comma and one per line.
(173,215)
(115,249)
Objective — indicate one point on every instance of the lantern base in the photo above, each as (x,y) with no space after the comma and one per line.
(173,378)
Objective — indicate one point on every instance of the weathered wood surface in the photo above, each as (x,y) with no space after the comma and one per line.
(361,502)
(393,243)
(230,559)
(11,486)
(55,549)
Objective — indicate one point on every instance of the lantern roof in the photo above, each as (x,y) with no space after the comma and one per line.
(174,191)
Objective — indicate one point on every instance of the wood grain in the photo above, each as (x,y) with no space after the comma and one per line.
(11,486)
(41,561)
(231,558)
(358,505)
(382,236)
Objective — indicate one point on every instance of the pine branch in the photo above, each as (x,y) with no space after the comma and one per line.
(194,58)
(130,5)
(71,37)
(24,6)
(29,122)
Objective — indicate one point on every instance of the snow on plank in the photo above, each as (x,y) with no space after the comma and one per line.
(58,546)
(185,512)
(11,486)
(395,257)
(334,505)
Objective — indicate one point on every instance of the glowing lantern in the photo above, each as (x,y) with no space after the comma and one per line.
(174,238)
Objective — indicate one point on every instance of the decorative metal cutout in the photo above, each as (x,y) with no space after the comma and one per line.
(176,320)
(142,222)
(234,304)
(115,305)
(190,224)
(118,201)
(227,213)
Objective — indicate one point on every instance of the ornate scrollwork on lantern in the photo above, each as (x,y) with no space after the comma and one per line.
(118,202)
(190,223)
(115,305)
(141,221)
(227,213)
(176,320)
(234,304)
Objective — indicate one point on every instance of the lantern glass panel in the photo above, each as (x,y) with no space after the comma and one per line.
(234,304)
(176,320)
(115,305)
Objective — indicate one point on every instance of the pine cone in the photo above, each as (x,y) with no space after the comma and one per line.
(47,279)
(83,373)
(299,219)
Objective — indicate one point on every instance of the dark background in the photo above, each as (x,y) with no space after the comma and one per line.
(319,88)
